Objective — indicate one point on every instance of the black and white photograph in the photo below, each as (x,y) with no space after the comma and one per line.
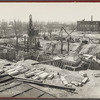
(49,50)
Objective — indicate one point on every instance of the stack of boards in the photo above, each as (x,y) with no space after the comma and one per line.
(34,73)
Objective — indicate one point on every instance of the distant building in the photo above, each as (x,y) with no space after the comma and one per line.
(88,25)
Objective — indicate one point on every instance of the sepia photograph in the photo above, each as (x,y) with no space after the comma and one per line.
(49,50)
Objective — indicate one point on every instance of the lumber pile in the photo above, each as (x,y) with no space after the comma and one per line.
(50,77)
(85,80)
(64,81)
(1,71)
(83,74)
(37,74)
(97,75)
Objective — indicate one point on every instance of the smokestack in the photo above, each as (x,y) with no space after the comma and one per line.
(91,18)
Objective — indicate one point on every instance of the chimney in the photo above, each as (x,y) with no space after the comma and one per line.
(91,18)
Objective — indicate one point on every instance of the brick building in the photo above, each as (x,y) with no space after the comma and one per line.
(88,25)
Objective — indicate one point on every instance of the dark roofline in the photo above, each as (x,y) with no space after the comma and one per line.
(88,21)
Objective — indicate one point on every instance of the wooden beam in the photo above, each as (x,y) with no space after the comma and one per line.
(45,62)
(48,85)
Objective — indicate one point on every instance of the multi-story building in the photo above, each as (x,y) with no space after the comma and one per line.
(88,25)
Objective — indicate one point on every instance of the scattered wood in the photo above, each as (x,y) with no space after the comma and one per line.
(10,70)
(41,68)
(1,71)
(97,75)
(3,75)
(43,75)
(17,67)
(49,85)
(51,76)
(28,75)
(13,73)
(33,69)
(83,74)
(26,80)
(5,78)
(74,83)
(64,81)
(69,85)
(39,73)
(36,77)
(46,62)
(24,70)
(85,80)
(7,64)
(80,84)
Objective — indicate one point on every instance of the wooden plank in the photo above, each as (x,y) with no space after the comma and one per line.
(8,86)
(5,83)
(27,80)
(85,80)
(51,76)
(49,85)
(43,75)
(45,62)
(64,81)
(20,89)
(5,79)
(47,96)
(83,74)
(33,93)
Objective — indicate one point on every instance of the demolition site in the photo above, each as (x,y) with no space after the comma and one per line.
(50,61)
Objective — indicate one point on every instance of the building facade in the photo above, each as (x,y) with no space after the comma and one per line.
(88,26)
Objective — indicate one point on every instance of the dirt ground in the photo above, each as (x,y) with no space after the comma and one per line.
(89,90)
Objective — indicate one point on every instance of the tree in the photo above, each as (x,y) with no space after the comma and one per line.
(4,27)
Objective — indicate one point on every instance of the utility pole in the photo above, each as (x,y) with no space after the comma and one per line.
(68,35)
(15,28)
(61,42)
(68,40)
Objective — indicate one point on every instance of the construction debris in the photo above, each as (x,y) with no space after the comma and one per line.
(39,73)
(36,78)
(1,71)
(43,75)
(85,80)
(51,76)
(97,75)
(49,85)
(24,70)
(28,75)
(5,77)
(24,79)
(64,81)
(69,85)
(13,73)
(83,74)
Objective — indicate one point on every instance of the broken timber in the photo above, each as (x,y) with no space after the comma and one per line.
(46,62)
(48,85)
(24,79)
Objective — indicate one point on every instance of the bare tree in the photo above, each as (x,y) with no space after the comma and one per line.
(4,27)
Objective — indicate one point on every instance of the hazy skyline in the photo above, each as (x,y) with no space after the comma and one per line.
(62,12)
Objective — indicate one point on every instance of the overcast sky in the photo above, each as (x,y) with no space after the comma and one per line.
(63,12)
